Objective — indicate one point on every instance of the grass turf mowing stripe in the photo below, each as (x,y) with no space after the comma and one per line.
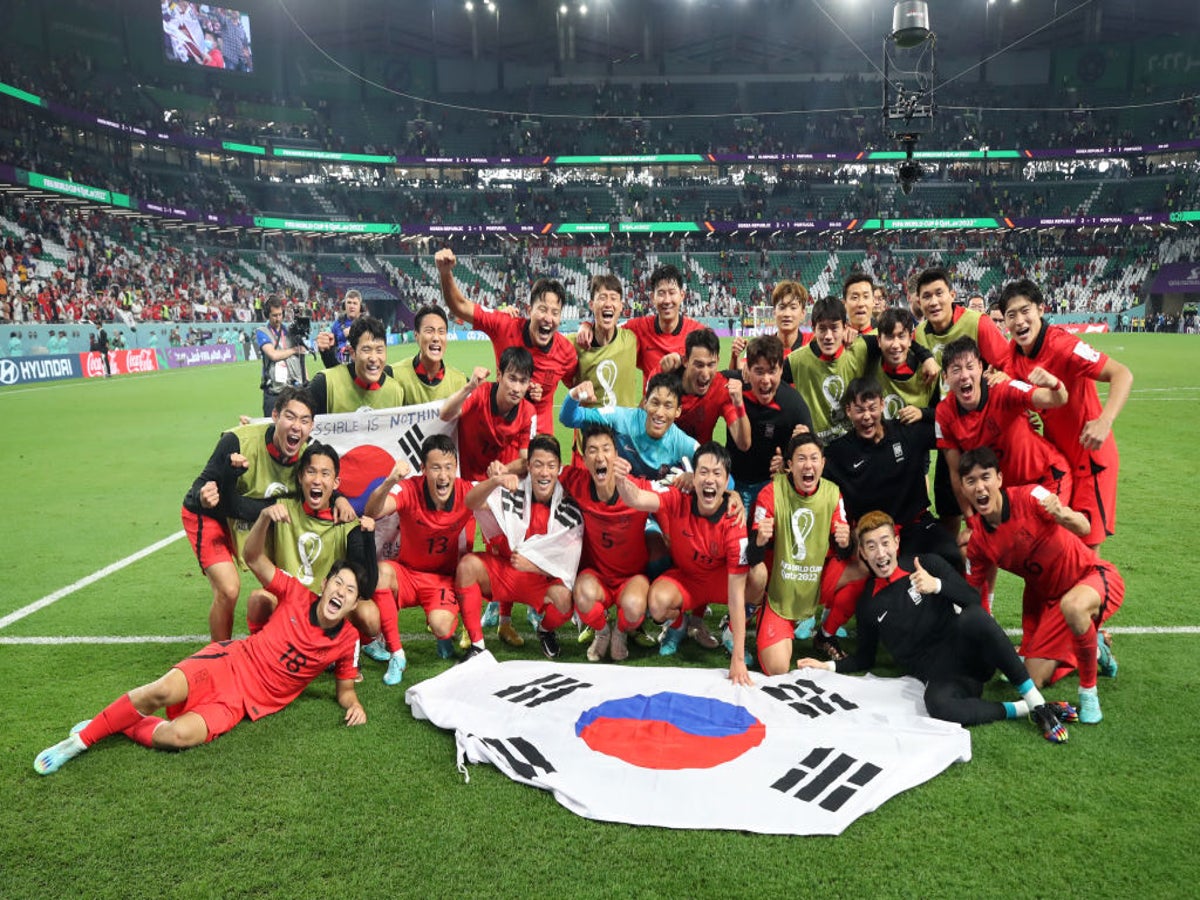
(54,597)
(425,637)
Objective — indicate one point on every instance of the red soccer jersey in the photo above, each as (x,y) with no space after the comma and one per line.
(700,413)
(550,366)
(653,344)
(702,547)
(1079,365)
(614,536)
(484,435)
(431,539)
(1000,422)
(275,665)
(1029,543)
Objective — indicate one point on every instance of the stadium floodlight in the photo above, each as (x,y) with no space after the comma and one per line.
(908,77)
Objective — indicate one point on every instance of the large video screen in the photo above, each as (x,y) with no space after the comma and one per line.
(201,34)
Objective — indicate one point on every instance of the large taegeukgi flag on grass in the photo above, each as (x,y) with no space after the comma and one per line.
(803,753)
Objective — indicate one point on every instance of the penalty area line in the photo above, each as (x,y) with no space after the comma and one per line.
(88,579)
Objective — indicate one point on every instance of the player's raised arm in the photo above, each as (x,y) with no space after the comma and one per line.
(254,552)
(1075,522)
(477,496)
(634,496)
(459,305)
(1049,390)
(452,408)
(381,502)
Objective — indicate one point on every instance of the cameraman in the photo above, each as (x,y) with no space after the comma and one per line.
(282,356)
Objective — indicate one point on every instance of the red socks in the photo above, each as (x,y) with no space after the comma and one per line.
(470,605)
(596,618)
(623,624)
(115,718)
(552,619)
(389,618)
(1085,656)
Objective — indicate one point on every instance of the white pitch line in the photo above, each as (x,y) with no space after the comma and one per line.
(53,640)
(425,637)
(87,579)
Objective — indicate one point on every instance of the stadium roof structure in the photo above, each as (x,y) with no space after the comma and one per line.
(727,36)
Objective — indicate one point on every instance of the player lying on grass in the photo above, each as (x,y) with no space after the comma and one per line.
(914,613)
(534,533)
(708,552)
(211,691)
(1069,590)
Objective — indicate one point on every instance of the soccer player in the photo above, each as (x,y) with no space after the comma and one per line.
(907,396)
(646,436)
(1069,590)
(1082,428)
(775,412)
(789,299)
(975,414)
(365,381)
(534,535)
(821,371)
(554,359)
(791,562)
(858,295)
(249,463)
(307,538)
(931,623)
(614,559)
(946,322)
(611,358)
(661,336)
(426,376)
(208,693)
(282,358)
(708,553)
(882,465)
(708,395)
(494,424)
(433,516)
(335,345)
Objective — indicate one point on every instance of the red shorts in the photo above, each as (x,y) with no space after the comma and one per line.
(1044,631)
(697,593)
(213,692)
(427,590)
(511,586)
(209,537)
(1095,495)
(612,590)
(772,628)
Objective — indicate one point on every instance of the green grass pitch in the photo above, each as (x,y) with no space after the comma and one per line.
(296,805)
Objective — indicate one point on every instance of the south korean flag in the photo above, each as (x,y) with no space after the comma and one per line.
(803,753)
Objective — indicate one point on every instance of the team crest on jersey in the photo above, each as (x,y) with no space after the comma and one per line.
(914,595)
(802,526)
(833,387)
(898,451)
(309,545)
(892,404)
